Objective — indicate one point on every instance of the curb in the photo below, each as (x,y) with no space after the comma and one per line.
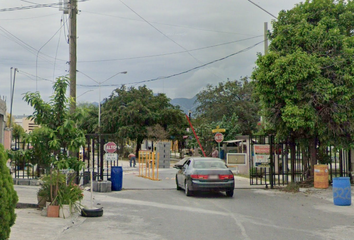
(26,205)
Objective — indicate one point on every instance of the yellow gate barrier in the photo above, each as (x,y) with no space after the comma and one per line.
(149,165)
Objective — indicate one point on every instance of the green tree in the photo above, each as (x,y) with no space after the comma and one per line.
(130,111)
(40,151)
(206,138)
(305,82)
(58,124)
(17,131)
(203,129)
(89,120)
(8,197)
(227,99)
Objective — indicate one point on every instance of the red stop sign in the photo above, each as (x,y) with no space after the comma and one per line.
(110,147)
(219,137)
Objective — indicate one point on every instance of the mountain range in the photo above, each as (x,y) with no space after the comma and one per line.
(185,104)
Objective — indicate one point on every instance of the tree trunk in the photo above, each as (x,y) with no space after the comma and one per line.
(138,146)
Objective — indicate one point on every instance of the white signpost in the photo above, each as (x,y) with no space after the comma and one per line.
(110,157)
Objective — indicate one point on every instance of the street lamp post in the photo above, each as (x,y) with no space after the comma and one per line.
(100,156)
(99,98)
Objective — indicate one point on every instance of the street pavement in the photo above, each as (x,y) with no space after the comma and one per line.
(30,224)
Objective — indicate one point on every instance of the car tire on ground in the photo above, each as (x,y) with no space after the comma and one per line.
(95,212)
(186,190)
(177,186)
(230,193)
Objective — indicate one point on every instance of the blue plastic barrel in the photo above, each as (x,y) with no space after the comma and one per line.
(342,195)
(117,178)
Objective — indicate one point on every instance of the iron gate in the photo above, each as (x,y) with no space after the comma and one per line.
(289,162)
(93,156)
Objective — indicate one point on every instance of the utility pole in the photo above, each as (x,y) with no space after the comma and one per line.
(265,38)
(73,57)
(12,97)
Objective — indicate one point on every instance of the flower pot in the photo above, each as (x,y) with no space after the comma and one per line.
(52,211)
(65,211)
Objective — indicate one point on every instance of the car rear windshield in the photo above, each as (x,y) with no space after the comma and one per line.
(209,164)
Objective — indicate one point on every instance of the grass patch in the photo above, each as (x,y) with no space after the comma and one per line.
(291,187)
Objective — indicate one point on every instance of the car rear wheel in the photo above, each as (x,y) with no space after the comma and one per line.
(177,186)
(230,193)
(186,190)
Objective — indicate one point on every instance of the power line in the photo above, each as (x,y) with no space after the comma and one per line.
(56,52)
(23,18)
(262,9)
(33,6)
(33,77)
(172,53)
(201,66)
(44,46)
(23,44)
(167,24)
(188,52)
(176,74)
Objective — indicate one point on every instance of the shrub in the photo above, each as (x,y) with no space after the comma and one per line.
(8,197)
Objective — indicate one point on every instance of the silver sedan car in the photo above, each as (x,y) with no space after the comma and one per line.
(204,174)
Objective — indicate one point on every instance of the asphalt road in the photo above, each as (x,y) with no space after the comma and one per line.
(147,209)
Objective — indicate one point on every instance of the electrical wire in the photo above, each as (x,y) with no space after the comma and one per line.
(23,44)
(33,77)
(34,6)
(56,52)
(176,74)
(24,18)
(44,46)
(197,60)
(172,53)
(166,24)
(262,9)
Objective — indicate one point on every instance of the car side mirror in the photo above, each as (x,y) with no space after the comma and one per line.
(178,166)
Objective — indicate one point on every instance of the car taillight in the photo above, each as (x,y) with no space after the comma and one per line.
(228,176)
(198,176)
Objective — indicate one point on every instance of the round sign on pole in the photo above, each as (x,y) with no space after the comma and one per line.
(110,147)
(219,137)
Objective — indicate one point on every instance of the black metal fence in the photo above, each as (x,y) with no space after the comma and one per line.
(93,156)
(21,166)
(290,162)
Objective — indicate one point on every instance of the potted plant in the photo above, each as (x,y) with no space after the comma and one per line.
(64,197)
(69,198)
(49,192)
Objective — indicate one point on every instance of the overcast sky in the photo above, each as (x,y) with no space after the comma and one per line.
(162,44)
